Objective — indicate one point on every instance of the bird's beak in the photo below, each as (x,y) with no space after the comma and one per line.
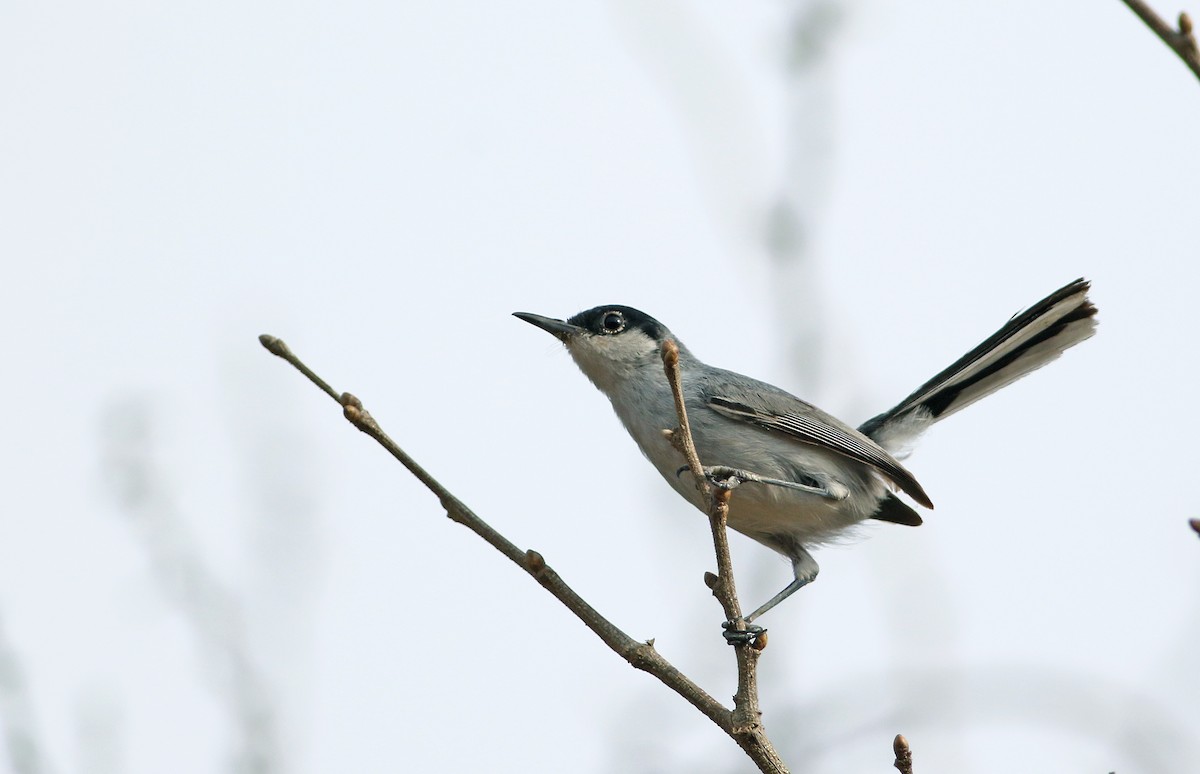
(556,328)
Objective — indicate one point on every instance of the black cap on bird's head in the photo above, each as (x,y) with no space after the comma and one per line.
(609,320)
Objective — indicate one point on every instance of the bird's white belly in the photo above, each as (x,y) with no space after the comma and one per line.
(760,511)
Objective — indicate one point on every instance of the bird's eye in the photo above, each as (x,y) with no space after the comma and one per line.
(614,322)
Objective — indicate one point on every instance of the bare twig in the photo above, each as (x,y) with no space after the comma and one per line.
(641,655)
(724,588)
(1182,40)
(747,718)
(903,752)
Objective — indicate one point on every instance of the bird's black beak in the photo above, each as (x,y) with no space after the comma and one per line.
(556,328)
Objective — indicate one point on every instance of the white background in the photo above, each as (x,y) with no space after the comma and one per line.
(203,568)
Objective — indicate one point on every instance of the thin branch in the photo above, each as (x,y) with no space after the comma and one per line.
(278,348)
(747,717)
(903,752)
(723,588)
(1182,40)
(640,655)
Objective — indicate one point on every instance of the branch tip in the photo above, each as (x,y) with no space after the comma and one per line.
(273,345)
(1195,524)
(277,348)
(670,353)
(903,752)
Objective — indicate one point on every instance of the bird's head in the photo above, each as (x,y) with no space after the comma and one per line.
(608,343)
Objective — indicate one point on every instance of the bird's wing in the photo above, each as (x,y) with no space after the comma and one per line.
(812,427)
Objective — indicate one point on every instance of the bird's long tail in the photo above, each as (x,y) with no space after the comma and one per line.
(1028,341)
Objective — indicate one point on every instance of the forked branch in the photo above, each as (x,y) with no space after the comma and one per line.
(747,718)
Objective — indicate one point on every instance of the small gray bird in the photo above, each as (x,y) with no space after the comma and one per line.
(809,477)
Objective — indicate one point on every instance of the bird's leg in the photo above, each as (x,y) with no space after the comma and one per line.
(805,570)
(788,590)
(728,478)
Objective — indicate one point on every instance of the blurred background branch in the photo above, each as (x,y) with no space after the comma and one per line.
(21,740)
(181,574)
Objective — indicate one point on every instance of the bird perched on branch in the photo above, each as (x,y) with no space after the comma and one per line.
(808,476)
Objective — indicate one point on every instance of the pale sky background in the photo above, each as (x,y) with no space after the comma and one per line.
(203,568)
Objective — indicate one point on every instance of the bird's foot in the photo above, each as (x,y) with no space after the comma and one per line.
(724,477)
(748,636)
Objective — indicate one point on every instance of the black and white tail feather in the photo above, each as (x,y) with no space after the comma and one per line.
(1028,341)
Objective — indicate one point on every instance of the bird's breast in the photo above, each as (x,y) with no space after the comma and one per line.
(759,511)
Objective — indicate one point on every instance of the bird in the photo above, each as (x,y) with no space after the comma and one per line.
(812,477)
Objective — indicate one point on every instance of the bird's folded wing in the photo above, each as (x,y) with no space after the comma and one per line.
(813,430)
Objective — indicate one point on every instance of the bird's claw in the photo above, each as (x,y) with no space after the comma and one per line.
(746,636)
(726,478)
(722,477)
